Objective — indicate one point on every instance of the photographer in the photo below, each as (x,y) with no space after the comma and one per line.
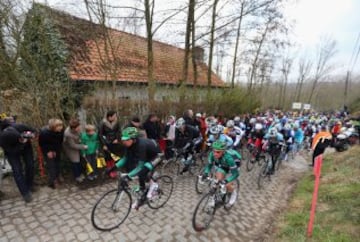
(15,139)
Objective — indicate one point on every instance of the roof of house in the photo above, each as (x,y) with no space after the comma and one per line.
(99,55)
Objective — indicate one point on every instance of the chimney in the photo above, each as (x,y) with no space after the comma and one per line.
(199,54)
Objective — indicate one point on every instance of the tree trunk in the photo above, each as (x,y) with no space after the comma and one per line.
(211,50)
(236,47)
(149,10)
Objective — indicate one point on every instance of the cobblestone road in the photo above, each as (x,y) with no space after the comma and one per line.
(64,214)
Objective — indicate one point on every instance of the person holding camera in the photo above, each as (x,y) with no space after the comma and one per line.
(15,139)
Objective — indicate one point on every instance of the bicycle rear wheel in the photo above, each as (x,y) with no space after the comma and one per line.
(111,210)
(160,196)
(204,212)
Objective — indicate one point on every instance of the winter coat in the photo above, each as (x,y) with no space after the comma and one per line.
(72,145)
(92,141)
(9,138)
(50,140)
(108,132)
(153,130)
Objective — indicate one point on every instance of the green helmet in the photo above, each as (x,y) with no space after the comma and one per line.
(129,133)
(219,145)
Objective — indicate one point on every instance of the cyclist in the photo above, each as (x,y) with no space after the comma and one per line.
(234,132)
(256,137)
(226,169)
(139,154)
(187,138)
(217,133)
(273,142)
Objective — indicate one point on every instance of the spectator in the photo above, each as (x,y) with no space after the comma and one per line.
(91,139)
(169,136)
(109,134)
(189,117)
(135,122)
(72,148)
(320,142)
(152,127)
(50,140)
(15,139)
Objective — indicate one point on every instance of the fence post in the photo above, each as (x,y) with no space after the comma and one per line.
(317,172)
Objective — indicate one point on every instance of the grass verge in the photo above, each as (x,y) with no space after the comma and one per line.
(337,216)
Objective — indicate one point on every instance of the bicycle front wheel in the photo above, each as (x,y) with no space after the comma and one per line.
(263,174)
(111,210)
(171,167)
(204,212)
(161,195)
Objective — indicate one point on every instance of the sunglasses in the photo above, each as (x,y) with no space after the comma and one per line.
(218,151)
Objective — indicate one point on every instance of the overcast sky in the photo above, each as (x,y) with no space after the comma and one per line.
(339,19)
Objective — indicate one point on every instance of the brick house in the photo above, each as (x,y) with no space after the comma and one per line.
(116,61)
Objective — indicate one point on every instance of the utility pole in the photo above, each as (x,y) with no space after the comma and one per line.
(347,80)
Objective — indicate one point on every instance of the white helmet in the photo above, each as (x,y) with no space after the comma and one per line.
(179,123)
(216,129)
(237,119)
(258,126)
(230,124)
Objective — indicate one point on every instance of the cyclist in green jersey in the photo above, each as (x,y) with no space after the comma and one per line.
(226,171)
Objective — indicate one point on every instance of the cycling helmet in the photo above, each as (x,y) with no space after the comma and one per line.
(252,120)
(219,145)
(258,126)
(230,124)
(179,123)
(273,132)
(216,129)
(237,119)
(129,133)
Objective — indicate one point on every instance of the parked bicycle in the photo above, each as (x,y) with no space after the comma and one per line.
(112,209)
(216,198)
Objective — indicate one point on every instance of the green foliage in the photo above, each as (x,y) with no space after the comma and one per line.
(44,57)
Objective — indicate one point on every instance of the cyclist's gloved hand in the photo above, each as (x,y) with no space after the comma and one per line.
(223,182)
(204,177)
(126,178)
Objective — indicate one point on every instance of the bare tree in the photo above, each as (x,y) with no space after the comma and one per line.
(212,37)
(285,70)
(304,73)
(326,50)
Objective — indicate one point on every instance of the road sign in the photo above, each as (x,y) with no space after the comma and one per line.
(296,106)
(307,106)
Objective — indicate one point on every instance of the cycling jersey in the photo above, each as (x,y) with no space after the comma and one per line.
(226,164)
(235,134)
(222,137)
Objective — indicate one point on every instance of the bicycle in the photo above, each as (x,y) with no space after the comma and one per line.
(104,215)
(210,202)
(174,165)
(250,152)
(273,154)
